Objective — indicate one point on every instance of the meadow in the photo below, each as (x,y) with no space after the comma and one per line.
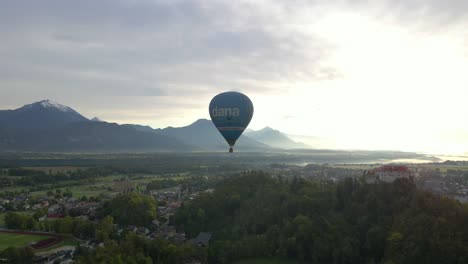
(103,185)
(18,240)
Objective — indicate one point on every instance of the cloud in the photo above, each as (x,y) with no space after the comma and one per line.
(163,60)
(155,48)
(152,47)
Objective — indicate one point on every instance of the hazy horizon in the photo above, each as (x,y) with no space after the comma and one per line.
(386,75)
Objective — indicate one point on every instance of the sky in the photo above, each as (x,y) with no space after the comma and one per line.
(390,74)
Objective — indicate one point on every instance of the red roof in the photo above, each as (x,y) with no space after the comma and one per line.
(55,216)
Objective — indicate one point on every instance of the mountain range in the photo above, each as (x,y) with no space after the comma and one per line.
(274,138)
(47,126)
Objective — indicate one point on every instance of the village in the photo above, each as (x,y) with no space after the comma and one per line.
(53,207)
(59,204)
(448,178)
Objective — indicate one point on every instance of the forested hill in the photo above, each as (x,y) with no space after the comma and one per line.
(254,215)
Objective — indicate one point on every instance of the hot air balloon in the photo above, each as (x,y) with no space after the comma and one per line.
(231,113)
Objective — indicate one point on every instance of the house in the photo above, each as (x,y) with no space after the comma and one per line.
(156,223)
(120,231)
(179,238)
(461,199)
(55,211)
(387,173)
(72,200)
(82,217)
(132,228)
(124,186)
(37,206)
(83,208)
(162,210)
(91,244)
(435,186)
(203,239)
(166,232)
(165,196)
(144,230)
(20,198)
(175,205)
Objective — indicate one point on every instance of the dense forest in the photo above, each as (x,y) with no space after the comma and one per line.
(255,215)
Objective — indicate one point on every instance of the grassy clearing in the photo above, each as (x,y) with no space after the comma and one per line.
(445,168)
(18,240)
(99,185)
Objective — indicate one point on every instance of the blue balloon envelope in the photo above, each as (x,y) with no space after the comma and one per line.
(231,113)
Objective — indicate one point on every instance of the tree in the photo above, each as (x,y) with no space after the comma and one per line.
(22,255)
(68,193)
(19,221)
(131,209)
(64,225)
(84,229)
(254,215)
(135,249)
(105,228)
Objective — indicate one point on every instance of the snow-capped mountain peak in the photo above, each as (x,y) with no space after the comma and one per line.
(51,104)
(45,114)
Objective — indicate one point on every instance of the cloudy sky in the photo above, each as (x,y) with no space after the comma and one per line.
(387,75)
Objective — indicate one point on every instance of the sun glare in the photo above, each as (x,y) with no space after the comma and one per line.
(398,89)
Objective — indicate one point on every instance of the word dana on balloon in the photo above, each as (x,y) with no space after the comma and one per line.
(228,112)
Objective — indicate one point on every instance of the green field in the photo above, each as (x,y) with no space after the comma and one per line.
(56,168)
(101,185)
(18,240)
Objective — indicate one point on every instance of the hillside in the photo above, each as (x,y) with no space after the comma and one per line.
(47,126)
(43,115)
(274,138)
(203,134)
